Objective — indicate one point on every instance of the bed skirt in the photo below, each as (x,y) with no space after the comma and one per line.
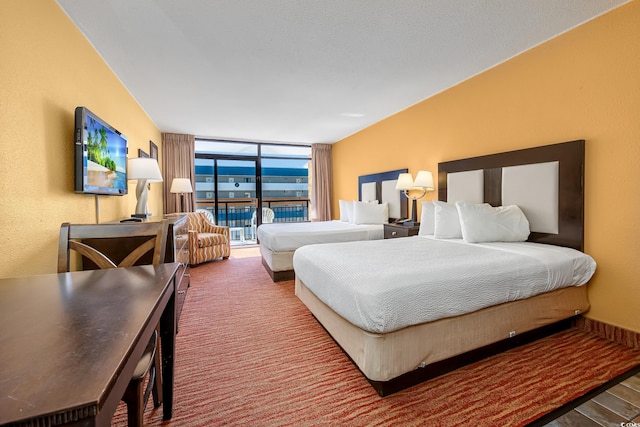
(385,357)
(279,265)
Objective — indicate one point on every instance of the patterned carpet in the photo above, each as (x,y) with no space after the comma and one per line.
(250,354)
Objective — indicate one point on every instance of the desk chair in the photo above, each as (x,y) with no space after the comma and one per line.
(85,240)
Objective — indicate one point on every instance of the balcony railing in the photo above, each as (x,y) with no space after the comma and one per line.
(239,213)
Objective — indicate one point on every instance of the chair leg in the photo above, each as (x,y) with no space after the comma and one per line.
(157,366)
(135,405)
(137,393)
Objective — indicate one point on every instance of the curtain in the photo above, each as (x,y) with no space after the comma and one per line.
(320,182)
(178,155)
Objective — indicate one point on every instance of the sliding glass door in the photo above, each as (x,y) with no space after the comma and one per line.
(227,189)
(237,198)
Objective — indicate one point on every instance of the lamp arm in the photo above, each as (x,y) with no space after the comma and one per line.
(406,193)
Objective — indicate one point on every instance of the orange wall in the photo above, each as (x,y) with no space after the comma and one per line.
(584,84)
(47,68)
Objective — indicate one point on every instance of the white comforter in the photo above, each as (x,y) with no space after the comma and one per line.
(289,236)
(385,285)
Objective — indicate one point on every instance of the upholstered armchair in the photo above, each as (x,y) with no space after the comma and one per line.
(207,241)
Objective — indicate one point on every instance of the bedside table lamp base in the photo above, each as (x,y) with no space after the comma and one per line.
(414,210)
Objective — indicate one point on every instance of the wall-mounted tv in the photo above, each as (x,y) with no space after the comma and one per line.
(100,156)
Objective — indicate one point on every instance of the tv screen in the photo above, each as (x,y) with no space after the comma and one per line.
(100,156)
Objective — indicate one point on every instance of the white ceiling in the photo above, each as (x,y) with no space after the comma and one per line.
(307,71)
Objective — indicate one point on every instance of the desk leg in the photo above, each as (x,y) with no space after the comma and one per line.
(168,340)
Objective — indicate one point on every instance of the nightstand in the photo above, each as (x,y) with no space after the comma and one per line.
(392,231)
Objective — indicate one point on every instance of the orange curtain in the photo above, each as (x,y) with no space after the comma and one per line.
(320,182)
(178,155)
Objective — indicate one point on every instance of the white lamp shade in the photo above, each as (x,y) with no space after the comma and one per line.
(144,168)
(405,182)
(181,185)
(424,180)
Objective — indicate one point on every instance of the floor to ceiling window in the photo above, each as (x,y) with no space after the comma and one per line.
(236,180)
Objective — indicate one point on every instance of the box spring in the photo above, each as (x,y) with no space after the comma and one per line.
(389,361)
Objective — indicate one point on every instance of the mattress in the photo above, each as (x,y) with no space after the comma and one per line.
(386,285)
(289,236)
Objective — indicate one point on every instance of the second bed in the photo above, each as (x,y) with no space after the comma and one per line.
(378,203)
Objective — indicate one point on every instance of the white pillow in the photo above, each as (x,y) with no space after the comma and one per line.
(349,208)
(447,222)
(427,219)
(370,213)
(344,214)
(485,223)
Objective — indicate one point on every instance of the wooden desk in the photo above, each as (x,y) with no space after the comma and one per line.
(70,342)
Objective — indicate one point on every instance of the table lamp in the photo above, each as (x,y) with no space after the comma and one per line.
(181,186)
(145,170)
(423,183)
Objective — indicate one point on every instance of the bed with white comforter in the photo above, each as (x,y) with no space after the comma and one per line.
(363,219)
(278,241)
(282,237)
(398,305)
(503,265)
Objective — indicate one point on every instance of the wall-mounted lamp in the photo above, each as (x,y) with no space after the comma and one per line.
(181,186)
(422,183)
(145,170)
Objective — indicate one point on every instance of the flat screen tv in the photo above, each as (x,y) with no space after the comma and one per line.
(100,156)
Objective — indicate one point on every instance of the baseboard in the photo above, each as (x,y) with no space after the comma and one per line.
(612,333)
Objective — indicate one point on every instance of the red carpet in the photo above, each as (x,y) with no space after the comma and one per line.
(250,354)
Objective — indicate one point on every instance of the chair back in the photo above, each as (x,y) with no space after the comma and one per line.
(208,214)
(197,221)
(267,215)
(85,240)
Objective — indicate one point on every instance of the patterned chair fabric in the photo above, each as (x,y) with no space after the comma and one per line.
(207,241)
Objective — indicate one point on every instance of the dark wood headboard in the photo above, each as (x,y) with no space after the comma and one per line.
(378,179)
(569,155)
